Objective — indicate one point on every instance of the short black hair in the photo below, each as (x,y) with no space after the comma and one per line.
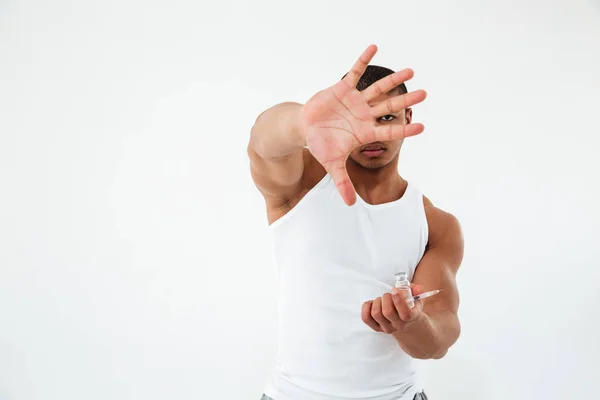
(372,74)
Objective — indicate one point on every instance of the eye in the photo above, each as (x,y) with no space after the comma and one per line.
(387,118)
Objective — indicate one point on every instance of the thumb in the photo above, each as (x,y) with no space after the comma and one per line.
(343,183)
(416,289)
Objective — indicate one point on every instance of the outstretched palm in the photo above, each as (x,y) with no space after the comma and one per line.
(340,118)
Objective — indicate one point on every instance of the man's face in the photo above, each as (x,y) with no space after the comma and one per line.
(379,154)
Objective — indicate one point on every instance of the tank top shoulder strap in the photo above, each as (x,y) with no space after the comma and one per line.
(304,202)
(414,193)
(417,204)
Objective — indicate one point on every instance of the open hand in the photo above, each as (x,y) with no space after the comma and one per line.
(341,118)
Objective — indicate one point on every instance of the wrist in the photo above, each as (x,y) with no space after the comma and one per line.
(421,324)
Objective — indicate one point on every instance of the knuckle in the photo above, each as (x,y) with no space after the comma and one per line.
(389,106)
(388,311)
(378,89)
(402,313)
(401,102)
(365,314)
(400,304)
(371,133)
(390,132)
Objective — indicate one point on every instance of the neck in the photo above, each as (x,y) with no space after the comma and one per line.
(377,186)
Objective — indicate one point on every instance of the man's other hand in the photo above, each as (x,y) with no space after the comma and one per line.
(391,312)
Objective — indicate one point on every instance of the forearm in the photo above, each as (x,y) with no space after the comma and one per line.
(277,132)
(431,335)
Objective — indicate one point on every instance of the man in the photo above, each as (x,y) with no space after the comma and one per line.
(343,223)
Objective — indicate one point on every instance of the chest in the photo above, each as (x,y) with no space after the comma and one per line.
(354,241)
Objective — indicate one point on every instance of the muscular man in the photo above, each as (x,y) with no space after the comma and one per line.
(343,223)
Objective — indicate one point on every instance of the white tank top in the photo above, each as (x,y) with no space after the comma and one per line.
(331,258)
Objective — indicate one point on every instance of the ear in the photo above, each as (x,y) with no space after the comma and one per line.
(408,115)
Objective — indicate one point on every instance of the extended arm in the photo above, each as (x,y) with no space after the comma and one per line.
(330,125)
(275,151)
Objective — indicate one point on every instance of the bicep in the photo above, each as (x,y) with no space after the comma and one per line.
(440,262)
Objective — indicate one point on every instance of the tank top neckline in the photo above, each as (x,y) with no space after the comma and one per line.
(387,204)
(327,181)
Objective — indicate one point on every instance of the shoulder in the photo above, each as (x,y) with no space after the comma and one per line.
(445,231)
(440,220)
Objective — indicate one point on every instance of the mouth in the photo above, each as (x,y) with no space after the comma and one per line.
(373,150)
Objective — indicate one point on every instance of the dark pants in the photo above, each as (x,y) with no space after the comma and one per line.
(418,396)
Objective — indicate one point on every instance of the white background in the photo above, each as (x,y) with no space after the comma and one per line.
(134,257)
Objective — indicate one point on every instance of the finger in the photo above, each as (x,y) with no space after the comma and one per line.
(342,182)
(397,103)
(389,309)
(416,289)
(396,131)
(402,307)
(360,66)
(383,86)
(367,318)
(377,314)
